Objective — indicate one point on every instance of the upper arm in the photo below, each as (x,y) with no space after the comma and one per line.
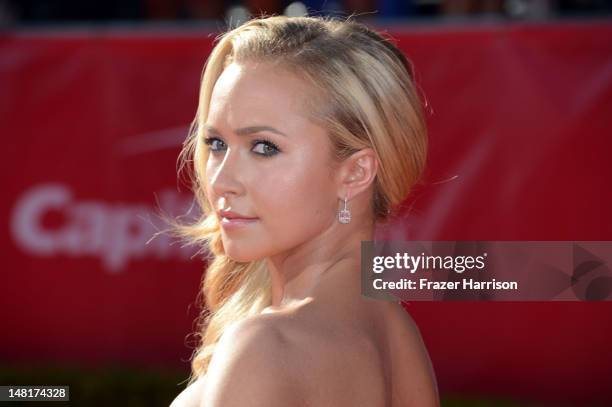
(251,366)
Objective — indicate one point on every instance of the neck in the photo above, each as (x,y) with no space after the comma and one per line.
(298,273)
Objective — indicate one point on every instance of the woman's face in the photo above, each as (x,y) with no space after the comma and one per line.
(267,161)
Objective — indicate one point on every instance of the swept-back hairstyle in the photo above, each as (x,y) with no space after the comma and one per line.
(363,94)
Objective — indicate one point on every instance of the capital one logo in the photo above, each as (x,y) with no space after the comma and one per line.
(115,233)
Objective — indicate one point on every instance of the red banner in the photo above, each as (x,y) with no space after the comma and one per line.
(520,121)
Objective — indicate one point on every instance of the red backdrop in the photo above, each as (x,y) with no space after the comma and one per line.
(92,121)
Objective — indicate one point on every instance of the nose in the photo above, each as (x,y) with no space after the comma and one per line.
(224,175)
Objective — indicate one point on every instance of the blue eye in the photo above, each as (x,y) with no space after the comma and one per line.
(268,148)
(211,142)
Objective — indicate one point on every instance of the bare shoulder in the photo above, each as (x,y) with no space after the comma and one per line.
(252,365)
(403,322)
(317,358)
(190,396)
(414,368)
(339,363)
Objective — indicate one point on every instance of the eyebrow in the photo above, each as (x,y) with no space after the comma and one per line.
(247,130)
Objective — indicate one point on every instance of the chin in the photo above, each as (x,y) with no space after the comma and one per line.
(242,254)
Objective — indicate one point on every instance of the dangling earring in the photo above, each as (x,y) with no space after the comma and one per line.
(344,215)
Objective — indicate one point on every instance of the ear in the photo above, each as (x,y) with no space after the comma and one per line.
(356,173)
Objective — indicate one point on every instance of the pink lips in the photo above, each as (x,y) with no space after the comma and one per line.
(233,220)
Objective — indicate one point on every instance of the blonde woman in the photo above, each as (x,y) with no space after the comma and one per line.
(309,131)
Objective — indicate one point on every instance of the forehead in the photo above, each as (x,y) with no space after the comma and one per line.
(261,90)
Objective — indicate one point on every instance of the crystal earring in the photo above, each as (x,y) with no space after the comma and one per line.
(344,215)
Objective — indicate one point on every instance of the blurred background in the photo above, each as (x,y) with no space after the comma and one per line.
(95,101)
(68,11)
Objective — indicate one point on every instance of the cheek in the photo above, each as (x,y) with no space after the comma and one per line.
(292,210)
(208,190)
(303,198)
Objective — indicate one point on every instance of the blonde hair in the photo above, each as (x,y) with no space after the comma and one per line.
(364,95)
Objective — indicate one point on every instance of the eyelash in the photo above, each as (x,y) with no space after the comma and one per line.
(210,140)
